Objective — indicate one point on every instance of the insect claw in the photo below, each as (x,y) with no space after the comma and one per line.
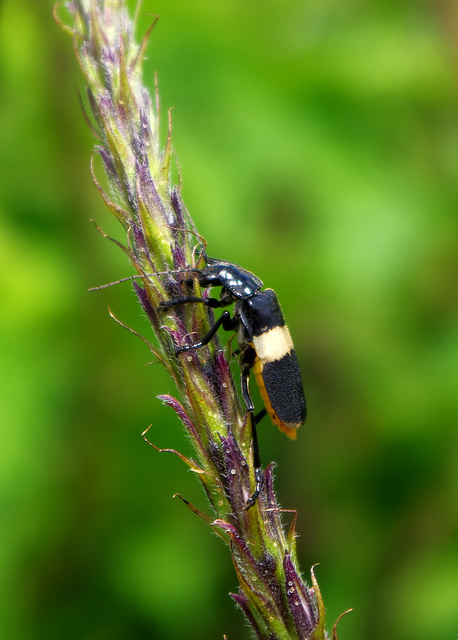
(259,483)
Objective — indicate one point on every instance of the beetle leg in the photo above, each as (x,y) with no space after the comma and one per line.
(209,302)
(228,325)
(259,416)
(256,455)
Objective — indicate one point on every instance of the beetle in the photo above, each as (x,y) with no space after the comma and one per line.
(264,343)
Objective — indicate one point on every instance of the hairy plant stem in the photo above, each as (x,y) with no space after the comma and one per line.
(160,237)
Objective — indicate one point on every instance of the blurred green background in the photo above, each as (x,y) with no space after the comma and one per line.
(318,144)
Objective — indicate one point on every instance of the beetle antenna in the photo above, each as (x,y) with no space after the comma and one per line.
(143,275)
